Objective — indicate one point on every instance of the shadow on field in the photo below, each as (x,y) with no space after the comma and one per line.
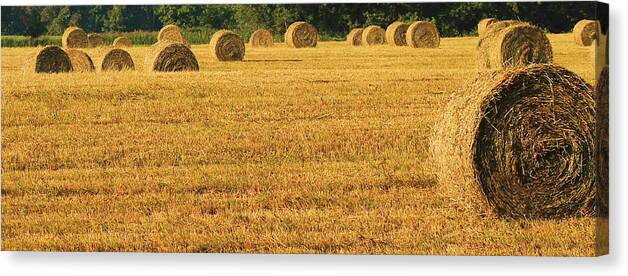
(272,60)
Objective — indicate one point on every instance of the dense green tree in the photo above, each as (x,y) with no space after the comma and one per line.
(60,22)
(115,20)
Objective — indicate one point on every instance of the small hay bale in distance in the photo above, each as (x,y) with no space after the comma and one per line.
(261,38)
(169,56)
(121,42)
(117,60)
(226,45)
(422,34)
(354,38)
(586,31)
(373,35)
(95,40)
(51,59)
(301,35)
(601,137)
(513,43)
(396,34)
(484,23)
(172,33)
(81,62)
(519,144)
(74,37)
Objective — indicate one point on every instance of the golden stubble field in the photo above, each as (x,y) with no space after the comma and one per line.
(318,150)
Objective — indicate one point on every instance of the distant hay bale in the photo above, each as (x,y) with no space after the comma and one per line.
(586,31)
(373,35)
(484,23)
(354,38)
(74,37)
(512,43)
(95,40)
(50,59)
(301,35)
(519,143)
(396,34)
(121,42)
(225,45)
(422,34)
(172,33)
(601,137)
(81,62)
(117,60)
(169,56)
(261,38)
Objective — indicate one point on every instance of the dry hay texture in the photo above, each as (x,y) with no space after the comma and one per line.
(422,34)
(261,38)
(117,60)
(373,35)
(172,33)
(122,41)
(586,31)
(81,62)
(301,35)
(169,56)
(95,40)
(520,143)
(513,43)
(225,45)
(50,59)
(396,34)
(484,23)
(74,37)
(354,38)
(601,103)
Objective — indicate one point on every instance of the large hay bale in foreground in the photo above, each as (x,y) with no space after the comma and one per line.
(172,33)
(50,59)
(513,43)
(121,42)
(396,34)
(169,56)
(261,38)
(225,45)
(74,37)
(586,31)
(521,142)
(81,62)
(373,35)
(95,40)
(484,23)
(117,60)
(354,38)
(422,34)
(301,35)
(601,139)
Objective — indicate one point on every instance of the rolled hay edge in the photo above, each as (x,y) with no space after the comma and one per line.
(422,34)
(122,41)
(117,60)
(226,45)
(301,34)
(50,59)
(396,34)
(601,139)
(81,61)
(484,23)
(585,32)
(169,56)
(95,40)
(74,37)
(172,33)
(373,35)
(261,38)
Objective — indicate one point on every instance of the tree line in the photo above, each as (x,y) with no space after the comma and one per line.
(336,20)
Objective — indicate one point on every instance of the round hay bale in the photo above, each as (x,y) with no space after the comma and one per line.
(225,45)
(484,23)
(117,60)
(95,40)
(169,56)
(354,38)
(396,34)
(601,136)
(586,31)
(422,34)
(512,43)
(74,37)
(81,62)
(122,41)
(520,143)
(261,38)
(373,35)
(172,33)
(50,59)
(301,35)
